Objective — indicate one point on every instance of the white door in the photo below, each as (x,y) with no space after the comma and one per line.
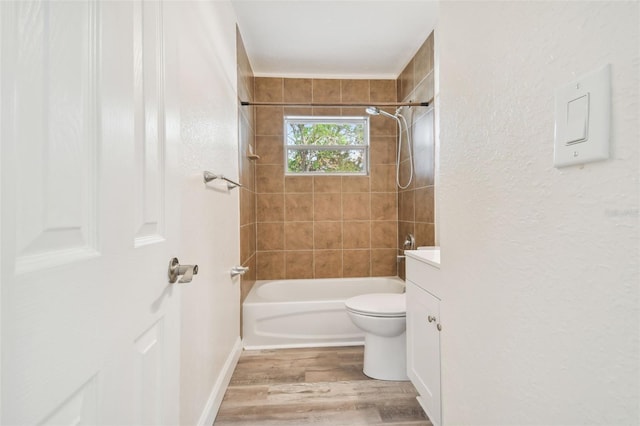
(90,324)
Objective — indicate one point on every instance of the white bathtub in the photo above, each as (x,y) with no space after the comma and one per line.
(308,312)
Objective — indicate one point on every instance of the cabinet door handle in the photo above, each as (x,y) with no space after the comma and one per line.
(431,318)
(439,326)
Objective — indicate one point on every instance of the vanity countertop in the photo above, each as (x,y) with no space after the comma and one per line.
(429,255)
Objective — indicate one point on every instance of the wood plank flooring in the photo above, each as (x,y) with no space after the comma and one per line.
(317,386)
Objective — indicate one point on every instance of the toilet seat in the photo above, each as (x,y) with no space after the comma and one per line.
(384,305)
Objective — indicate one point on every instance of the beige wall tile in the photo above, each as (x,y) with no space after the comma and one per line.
(270,207)
(423,93)
(298,235)
(299,264)
(356,206)
(424,168)
(383,126)
(247,207)
(423,136)
(248,279)
(425,234)
(421,63)
(384,206)
(355,91)
(269,178)
(383,178)
(326,111)
(298,207)
(424,204)
(298,184)
(269,121)
(270,265)
(245,238)
(327,235)
(383,91)
(327,206)
(384,234)
(327,263)
(355,111)
(298,111)
(268,89)
(270,149)
(383,150)
(405,82)
(406,206)
(327,184)
(270,236)
(383,262)
(356,183)
(325,90)
(356,234)
(297,90)
(356,263)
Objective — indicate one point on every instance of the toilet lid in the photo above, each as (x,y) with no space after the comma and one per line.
(379,304)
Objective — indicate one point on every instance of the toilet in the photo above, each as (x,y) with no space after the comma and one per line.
(382,317)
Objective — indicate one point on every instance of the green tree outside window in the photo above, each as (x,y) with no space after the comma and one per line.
(327,145)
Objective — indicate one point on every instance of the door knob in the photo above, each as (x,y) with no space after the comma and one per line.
(176,270)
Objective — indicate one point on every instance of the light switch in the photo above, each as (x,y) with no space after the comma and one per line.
(577,119)
(582,119)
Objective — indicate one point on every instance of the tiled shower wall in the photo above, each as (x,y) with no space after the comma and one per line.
(416,203)
(247,169)
(324,226)
(304,227)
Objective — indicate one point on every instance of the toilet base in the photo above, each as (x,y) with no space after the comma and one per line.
(385,358)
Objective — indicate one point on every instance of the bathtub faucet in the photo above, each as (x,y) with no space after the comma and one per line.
(238,270)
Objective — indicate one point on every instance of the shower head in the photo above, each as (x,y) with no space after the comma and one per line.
(372,110)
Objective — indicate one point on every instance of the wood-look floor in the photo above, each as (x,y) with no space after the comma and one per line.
(318,386)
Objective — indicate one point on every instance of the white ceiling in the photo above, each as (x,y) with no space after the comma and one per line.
(333,38)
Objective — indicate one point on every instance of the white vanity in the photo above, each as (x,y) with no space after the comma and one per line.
(424,328)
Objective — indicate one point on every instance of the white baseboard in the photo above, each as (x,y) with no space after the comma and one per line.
(210,411)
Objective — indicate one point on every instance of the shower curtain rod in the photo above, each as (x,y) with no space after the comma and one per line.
(323,104)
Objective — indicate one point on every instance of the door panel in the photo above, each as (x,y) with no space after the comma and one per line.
(90,325)
(150,149)
(55,134)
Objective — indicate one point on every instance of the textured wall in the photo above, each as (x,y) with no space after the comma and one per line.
(324,226)
(415,203)
(539,265)
(204,34)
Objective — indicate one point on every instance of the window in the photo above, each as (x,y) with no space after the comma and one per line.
(326,145)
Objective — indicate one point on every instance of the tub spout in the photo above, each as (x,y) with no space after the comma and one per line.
(238,270)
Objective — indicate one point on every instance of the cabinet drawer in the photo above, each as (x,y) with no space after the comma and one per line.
(424,276)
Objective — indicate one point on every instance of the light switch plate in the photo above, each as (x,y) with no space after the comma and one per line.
(582,119)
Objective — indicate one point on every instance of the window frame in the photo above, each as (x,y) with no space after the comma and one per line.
(306,119)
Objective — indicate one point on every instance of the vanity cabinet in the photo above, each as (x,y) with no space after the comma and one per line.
(423,334)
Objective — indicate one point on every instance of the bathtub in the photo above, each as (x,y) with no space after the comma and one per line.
(306,312)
